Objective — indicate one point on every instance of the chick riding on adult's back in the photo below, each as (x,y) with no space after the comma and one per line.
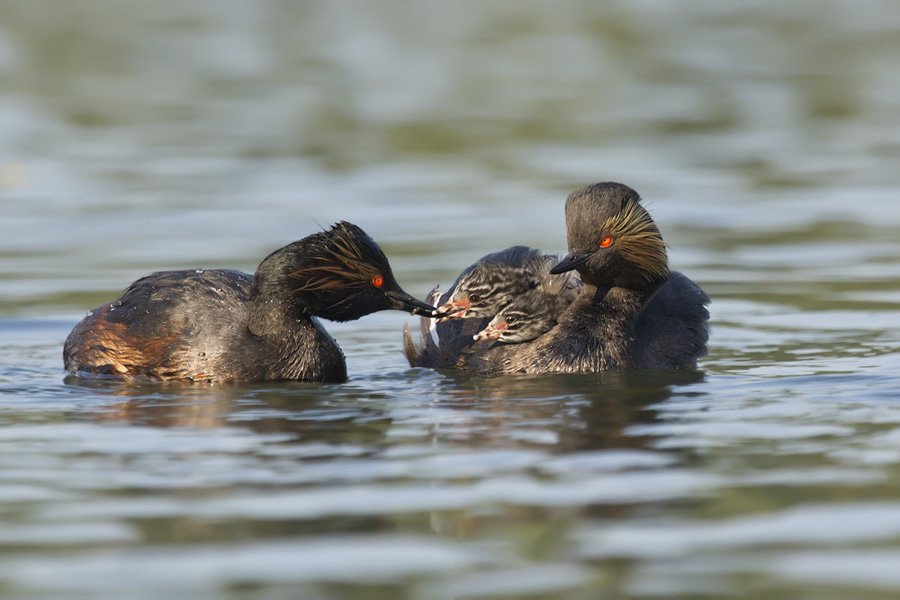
(630,312)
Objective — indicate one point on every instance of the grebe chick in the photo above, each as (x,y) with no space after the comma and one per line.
(494,281)
(532,314)
(480,292)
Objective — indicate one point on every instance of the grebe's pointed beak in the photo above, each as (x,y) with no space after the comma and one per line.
(570,262)
(400,300)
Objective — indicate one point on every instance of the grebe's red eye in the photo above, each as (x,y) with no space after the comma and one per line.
(606,241)
(378,281)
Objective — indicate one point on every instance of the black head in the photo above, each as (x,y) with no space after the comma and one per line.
(339,274)
(613,241)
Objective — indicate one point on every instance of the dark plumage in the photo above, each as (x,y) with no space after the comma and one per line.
(218,325)
(631,311)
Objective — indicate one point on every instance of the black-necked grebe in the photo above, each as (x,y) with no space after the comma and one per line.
(219,325)
(630,312)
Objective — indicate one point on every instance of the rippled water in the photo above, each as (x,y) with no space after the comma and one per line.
(197,134)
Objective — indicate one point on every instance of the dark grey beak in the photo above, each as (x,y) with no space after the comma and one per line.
(569,262)
(400,300)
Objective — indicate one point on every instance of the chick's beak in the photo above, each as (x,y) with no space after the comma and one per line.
(452,309)
(491,332)
(400,300)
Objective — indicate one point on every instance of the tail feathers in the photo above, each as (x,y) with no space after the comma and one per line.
(426,353)
(414,354)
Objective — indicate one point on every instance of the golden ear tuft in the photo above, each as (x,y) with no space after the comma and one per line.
(639,240)
(341,265)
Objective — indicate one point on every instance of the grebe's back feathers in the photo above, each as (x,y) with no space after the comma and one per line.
(674,321)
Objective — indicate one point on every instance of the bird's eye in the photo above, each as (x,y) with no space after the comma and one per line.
(378,280)
(474,297)
(511,319)
(606,241)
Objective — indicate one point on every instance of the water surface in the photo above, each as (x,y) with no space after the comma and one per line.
(199,134)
